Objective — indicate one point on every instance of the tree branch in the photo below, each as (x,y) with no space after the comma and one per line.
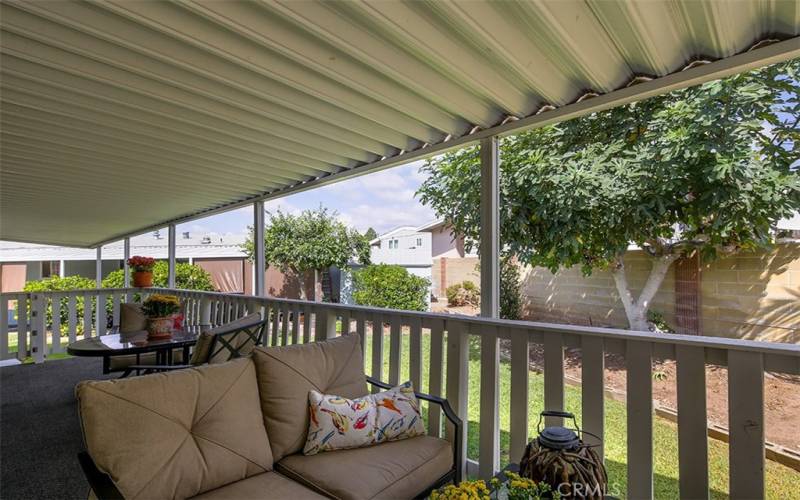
(657,273)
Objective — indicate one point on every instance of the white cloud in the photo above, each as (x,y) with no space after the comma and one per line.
(382,200)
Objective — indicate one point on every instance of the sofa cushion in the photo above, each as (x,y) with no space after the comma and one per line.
(176,434)
(131,318)
(267,485)
(287,374)
(339,423)
(397,469)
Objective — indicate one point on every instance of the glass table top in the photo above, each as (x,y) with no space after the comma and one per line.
(131,342)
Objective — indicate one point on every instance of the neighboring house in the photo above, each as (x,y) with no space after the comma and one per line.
(220,255)
(404,246)
(431,251)
(450,261)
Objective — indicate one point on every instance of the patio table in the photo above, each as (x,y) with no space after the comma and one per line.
(135,343)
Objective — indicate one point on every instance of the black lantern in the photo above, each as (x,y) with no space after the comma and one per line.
(560,458)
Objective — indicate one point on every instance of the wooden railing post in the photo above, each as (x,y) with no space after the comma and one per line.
(325,327)
(38,328)
(22,326)
(457,385)
(204,321)
(489,444)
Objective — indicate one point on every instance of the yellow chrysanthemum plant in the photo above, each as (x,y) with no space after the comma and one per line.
(160,306)
(514,488)
(466,490)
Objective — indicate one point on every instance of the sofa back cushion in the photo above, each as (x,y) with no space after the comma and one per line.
(176,434)
(287,374)
(131,317)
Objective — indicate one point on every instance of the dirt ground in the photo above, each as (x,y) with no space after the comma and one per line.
(781,392)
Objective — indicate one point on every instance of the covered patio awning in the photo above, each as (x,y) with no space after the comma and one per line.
(118,117)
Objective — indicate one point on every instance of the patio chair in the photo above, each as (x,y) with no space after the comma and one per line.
(218,345)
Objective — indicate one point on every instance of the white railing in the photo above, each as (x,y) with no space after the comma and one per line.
(293,321)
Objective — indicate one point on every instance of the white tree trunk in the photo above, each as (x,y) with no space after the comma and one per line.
(636,308)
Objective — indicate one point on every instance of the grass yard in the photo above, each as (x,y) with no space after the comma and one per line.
(13,342)
(781,480)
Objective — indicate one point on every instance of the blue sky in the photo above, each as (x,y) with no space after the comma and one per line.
(383,200)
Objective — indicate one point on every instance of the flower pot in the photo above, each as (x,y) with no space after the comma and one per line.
(142,279)
(160,328)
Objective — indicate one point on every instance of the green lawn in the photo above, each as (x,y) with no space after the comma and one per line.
(13,341)
(781,480)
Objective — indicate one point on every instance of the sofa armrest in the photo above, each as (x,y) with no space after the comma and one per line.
(458,424)
(100,483)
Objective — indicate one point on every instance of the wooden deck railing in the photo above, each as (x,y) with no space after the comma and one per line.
(293,321)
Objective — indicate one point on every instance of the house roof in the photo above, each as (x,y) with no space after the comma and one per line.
(431,226)
(210,245)
(119,117)
(398,231)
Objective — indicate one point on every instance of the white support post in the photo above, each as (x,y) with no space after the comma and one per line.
(98,268)
(62,273)
(259,264)
(171,256)
(490,228)
(126,245)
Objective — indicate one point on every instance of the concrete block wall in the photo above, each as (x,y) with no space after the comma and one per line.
(751,295)
(446,271)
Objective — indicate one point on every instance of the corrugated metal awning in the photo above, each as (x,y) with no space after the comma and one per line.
(122,116)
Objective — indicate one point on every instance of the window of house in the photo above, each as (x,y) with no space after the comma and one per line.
(419,242)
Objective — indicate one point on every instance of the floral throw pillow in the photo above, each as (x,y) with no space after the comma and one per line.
(338,423)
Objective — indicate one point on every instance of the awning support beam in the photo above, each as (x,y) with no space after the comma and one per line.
(171,256)
(258,249)
(126,245)
(98,268)
(490,228)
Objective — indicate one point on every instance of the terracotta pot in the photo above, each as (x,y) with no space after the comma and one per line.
(142,279)
(160,328)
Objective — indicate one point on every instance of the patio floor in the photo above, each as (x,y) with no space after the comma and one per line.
(40,430)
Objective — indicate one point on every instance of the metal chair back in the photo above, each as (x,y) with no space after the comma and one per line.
(229,341)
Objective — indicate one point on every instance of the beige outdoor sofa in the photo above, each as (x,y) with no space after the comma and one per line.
(236,430)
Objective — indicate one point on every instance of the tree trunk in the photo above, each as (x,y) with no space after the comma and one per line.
(301,278)
(636,308)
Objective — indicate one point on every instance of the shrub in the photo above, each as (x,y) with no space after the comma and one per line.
(389,286)
(59,284)
(462,294)
(187,277)
(510,300)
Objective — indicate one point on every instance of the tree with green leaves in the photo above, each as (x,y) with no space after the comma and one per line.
(707,169)
(314,240)
(371,234)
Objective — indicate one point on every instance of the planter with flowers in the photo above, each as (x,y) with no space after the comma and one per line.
(513,487)
(142,270)
(160,311)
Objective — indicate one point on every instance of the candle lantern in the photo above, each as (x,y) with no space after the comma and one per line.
(560,457)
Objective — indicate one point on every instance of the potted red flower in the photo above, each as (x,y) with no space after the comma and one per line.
(142,270)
